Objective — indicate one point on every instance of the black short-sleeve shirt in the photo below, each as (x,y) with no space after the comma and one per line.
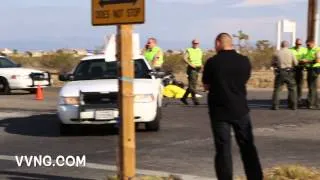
(227,74)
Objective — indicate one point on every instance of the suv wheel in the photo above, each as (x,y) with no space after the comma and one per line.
(4,86)
(155,124)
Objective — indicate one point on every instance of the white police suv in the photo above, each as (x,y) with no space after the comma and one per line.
(15,77)
(91,95)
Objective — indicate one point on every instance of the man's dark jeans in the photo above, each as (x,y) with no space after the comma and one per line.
(244,136)
(283,76)
(312,79)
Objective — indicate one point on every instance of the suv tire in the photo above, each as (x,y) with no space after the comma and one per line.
(5,89)
(155,124)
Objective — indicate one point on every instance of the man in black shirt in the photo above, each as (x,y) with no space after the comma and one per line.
(225,76)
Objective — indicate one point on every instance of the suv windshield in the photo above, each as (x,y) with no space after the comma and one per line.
(7,63)
(100,69)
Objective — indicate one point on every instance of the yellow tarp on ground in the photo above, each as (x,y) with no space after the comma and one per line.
(173,91)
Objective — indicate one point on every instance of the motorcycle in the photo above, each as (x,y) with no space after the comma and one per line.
(170,79)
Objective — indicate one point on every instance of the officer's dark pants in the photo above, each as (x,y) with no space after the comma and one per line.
(245,140)
(299,81)
(193,74)
(312,79)
(283,76)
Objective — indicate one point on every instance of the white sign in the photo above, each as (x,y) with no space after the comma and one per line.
(289,26)
(286,26)
(111,45)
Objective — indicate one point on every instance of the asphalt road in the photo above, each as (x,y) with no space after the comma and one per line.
(184,145)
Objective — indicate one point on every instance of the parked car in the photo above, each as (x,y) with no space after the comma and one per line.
(91,95)
(15,77)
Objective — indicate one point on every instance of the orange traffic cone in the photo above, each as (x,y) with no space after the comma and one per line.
(39,94)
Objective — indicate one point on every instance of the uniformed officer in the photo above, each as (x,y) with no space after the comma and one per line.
(284,62)
(154,54)
(312,63)
(193,59)
(300,53)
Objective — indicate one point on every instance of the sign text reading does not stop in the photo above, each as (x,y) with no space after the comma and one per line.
(114,12)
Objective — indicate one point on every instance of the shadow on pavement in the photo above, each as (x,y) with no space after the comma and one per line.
(32,176)
(16,93)
(267,104)
(47,125)
(253,103)
(258,104)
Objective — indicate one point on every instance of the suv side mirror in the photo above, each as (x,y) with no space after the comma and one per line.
(66,77)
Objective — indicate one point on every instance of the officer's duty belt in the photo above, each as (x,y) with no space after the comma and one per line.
(286,69)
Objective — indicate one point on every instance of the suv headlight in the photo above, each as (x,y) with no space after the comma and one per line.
(143,98)
(69,100)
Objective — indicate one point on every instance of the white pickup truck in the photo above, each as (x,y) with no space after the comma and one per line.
(91,95)
(15,77)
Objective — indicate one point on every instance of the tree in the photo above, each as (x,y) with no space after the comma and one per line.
(261,57)
(169,51)
(263,45)
(59,51)
(29,53)
(242,40)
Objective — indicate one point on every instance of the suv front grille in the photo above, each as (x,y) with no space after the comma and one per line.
(37,76)
(96,98)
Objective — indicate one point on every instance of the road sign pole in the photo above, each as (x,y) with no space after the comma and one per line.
(312,13)
(127,141)
(123,13)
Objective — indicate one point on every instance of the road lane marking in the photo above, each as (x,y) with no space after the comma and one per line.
(114,168)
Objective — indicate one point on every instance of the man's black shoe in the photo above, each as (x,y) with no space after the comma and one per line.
(274,108)
(294,108)
(184,101)
(196,103)
(311,107)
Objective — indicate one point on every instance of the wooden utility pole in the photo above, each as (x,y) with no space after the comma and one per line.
(312,19)
(127,125)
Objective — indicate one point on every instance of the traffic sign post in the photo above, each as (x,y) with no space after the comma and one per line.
(127,125)
(123,13)
(312,20)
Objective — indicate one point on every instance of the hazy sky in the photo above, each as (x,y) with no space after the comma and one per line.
(48,24)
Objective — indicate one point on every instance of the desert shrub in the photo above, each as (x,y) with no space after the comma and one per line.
(261,59)
(57,62)
(60,62)
(25,61)
(289,172)
(261,56)
(296,172)
(174,63)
